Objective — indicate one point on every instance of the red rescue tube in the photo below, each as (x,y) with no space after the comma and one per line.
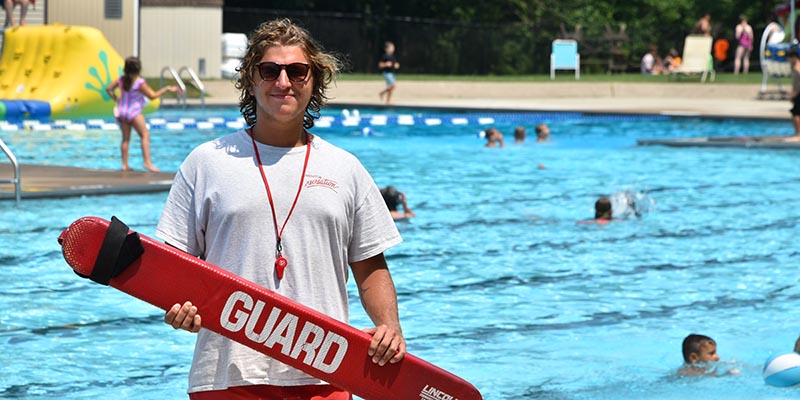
(263,320)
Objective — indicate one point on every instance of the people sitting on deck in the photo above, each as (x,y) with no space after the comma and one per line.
(672,61)
(651,62)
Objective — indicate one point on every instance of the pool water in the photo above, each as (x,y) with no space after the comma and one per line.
(496,280)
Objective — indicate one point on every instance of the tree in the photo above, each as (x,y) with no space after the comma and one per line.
(495,36)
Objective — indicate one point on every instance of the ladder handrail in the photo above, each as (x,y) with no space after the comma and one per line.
(17,181)
(197,83)
(181,97)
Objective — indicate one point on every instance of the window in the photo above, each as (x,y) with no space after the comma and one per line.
(113,9)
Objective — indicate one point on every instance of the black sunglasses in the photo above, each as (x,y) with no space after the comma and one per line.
(270,71)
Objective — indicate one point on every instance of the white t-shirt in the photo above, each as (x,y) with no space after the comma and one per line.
(218,210)
(648,61)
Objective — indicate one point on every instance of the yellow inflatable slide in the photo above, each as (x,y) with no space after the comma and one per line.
(57,71)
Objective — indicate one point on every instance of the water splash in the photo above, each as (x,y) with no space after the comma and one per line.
(628,204)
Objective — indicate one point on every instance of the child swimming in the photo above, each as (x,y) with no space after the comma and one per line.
(700,357)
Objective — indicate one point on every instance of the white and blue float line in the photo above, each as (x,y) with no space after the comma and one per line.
(348,119)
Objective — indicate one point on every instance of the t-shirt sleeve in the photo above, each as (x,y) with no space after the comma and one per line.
(179,224)
(374,230)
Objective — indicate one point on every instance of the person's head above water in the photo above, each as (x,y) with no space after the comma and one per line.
(519,134)
(602,208)
(392,197)
(542,133)
(699,348)
(493,137)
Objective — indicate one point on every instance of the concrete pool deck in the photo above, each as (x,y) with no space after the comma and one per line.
(674,98)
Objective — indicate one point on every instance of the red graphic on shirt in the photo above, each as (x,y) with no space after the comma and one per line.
(316,180)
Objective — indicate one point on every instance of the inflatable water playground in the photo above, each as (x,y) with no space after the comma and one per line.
(57,71)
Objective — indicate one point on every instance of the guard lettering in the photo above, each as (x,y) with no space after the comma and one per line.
(322,350)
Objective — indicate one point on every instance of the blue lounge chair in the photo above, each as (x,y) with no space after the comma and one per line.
(565,56)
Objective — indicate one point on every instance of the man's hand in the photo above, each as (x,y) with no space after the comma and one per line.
(184,317)
(388,345)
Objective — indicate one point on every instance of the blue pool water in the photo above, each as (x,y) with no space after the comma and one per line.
(496,280)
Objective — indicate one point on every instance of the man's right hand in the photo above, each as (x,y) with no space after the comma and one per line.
(184,317)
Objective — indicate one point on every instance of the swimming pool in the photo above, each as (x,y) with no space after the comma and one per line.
(496,281)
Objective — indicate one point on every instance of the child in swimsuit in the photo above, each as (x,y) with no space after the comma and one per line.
(744,35)
(130,103)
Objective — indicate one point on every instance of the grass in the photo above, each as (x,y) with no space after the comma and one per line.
(753,78)
(562,76)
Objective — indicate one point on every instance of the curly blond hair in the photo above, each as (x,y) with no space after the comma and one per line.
(283,32)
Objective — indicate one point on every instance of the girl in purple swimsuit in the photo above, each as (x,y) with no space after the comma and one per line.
(130,103)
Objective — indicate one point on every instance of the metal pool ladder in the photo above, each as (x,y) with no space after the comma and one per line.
(195,81)
(16,180)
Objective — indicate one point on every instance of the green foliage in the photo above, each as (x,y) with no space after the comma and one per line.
(567,76)
(513,36)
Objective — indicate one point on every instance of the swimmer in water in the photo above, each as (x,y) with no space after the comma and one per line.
(395,198)
(542,133)
(519,134)
(700,357)
(602,212)
(620,206)
(602,209)
(494,138)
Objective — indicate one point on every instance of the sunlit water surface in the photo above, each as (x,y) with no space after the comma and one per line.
(496,280)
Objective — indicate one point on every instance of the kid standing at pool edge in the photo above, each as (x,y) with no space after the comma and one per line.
(130,104)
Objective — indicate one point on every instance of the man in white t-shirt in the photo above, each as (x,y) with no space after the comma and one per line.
(287,210)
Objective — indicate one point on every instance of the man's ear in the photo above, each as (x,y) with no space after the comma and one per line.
(693,358)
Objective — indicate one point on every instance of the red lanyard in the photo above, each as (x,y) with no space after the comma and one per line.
(280,261)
